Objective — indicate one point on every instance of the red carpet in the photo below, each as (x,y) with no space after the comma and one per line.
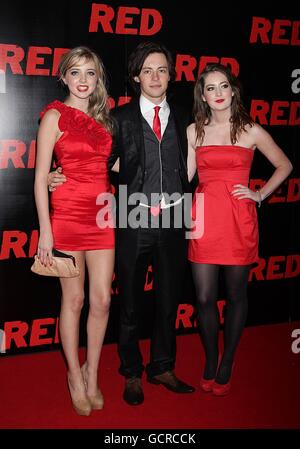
(265,392)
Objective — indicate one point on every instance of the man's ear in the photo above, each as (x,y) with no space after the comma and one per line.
(136,79)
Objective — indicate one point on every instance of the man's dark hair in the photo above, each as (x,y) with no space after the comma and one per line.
(138,56)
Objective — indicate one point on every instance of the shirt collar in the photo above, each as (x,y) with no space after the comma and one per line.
(147,105)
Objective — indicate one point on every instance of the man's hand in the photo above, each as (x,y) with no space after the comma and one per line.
(55,179)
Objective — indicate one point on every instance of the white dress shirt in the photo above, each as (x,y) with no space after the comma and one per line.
(147,110)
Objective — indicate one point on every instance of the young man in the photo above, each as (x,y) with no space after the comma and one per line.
(151,146)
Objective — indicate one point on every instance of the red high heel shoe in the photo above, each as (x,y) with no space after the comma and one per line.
(221,389)
(206,384)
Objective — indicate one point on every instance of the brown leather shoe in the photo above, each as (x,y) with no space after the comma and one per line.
(171,382)
(133,392)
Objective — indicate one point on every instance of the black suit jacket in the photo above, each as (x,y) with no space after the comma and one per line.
(129,145)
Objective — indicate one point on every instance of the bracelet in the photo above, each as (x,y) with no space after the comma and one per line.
(260,198)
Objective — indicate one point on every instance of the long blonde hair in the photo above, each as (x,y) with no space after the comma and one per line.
(98,101)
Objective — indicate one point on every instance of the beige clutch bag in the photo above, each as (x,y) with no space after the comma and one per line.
(63,266)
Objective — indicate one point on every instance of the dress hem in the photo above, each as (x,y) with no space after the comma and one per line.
(63,248)
(219,262)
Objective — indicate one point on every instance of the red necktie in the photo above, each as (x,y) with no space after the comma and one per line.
(154,210)
(156,123)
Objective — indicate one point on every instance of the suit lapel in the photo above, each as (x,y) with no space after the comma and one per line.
(137,126)
(136,119)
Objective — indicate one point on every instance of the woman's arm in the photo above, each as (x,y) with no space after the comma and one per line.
(191,160)
(283,167)
(47,135)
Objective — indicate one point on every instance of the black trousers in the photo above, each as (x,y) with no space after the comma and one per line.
(166,249)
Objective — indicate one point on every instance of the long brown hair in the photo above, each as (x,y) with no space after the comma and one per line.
(98,101)
(202,112)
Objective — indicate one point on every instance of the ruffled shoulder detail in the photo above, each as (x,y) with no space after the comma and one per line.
(58,105)
(78,123)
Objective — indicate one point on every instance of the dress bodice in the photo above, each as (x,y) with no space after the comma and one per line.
(228,163)
(85,144)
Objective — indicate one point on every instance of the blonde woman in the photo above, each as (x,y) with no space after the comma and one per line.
(77,132)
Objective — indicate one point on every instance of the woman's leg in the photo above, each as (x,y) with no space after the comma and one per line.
(206,277)
(100,264)
(71,306)
(236,281)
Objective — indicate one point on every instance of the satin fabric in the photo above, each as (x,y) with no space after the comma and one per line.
(230,233)
(156,123)
(82,151)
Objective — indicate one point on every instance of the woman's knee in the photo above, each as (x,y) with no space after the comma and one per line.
(100,303)
(74,300)
(205,300)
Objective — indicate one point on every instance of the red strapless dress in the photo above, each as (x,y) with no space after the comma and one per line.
(82,152)
(230,232)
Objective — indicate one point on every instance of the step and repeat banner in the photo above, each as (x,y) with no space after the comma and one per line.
(262,45)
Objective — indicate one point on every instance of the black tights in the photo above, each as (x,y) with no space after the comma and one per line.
(206,278)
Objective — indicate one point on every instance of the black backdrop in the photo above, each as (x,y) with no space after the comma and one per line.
(262,46)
